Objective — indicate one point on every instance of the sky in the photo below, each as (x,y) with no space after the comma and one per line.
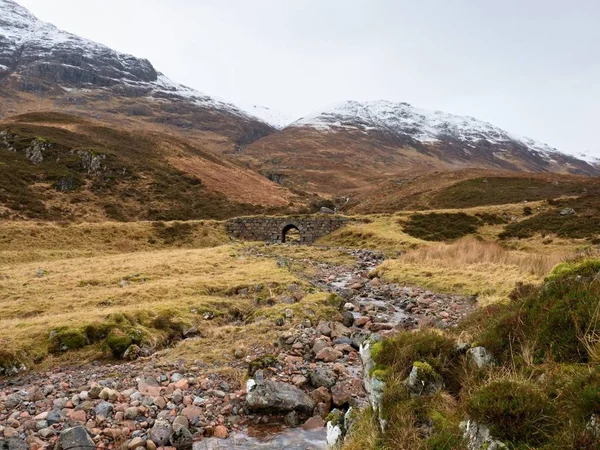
(531,67)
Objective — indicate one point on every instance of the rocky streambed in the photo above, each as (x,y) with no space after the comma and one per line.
(315,374)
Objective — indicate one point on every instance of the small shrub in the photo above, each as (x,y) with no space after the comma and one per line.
(441,227)
(426,346)
(527,211)
(515,412)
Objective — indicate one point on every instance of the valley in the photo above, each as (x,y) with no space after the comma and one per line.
(181,273)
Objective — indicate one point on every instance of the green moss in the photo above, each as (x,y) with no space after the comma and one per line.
(118,341)
(516,412)
(427,346)
(65,339)
(336,417)
(262,362)
(588,268)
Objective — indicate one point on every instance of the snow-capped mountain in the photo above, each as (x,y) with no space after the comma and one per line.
(351,144)
(37,57)
(421,125)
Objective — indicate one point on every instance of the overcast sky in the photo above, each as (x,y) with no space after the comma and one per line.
(529,66)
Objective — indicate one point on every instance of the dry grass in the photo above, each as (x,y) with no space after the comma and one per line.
(22,242)
(186,282)
(471,267)
(375,232)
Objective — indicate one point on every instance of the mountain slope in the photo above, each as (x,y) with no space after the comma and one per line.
(55,166)
(44,68)
(352,144)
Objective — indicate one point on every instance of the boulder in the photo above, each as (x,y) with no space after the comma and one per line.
(13,443)
(279,397)
(322,376)
(423,380)
(343,392)
(182,439)
(160,433)
(76,438)
(480,357)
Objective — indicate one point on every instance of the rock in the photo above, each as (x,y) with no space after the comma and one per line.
(361,321)
(221,432)
(109,394)
(10,432)
(13,443)
(343,391)
(324,329)
(329,354)
(423,380)
(348,319)
(135,443)
(160,433)
(319,344)
(322,376)
(181,422)
(325,210)
(75,438)
(104,409)
(334,434)
(192,413)
(349,306)
(480,357)
(299,380)
(314,423)
(567,212)
(76,415)
(182,439)
(131,413)
(291,419)
(46,432)
(132,353)
(321,395)
(149,386)
(278,397)
(54,416)
(478,437)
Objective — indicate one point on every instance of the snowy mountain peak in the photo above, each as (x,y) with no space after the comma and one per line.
(48,55)
(422,125)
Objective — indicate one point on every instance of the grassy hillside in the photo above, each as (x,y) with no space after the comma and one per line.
(56,166)
(466,189)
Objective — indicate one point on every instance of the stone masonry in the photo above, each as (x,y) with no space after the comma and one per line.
(273,229)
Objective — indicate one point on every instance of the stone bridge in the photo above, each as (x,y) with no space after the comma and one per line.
(276,229)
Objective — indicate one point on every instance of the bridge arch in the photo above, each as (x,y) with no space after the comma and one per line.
(276,229)
(289,229)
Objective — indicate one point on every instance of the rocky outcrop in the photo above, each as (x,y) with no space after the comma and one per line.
(478,437)
(279,397)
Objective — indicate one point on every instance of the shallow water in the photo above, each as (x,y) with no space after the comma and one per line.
(292,439)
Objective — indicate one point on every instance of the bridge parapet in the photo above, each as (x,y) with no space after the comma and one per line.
(275,228)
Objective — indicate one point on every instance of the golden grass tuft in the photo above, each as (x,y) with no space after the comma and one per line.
(471,267)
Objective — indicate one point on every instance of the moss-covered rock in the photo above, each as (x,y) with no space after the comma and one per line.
(118,342)
(66,339)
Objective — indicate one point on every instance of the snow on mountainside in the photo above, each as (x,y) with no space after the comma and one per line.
(32,48)
(421,125)
(273,118)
